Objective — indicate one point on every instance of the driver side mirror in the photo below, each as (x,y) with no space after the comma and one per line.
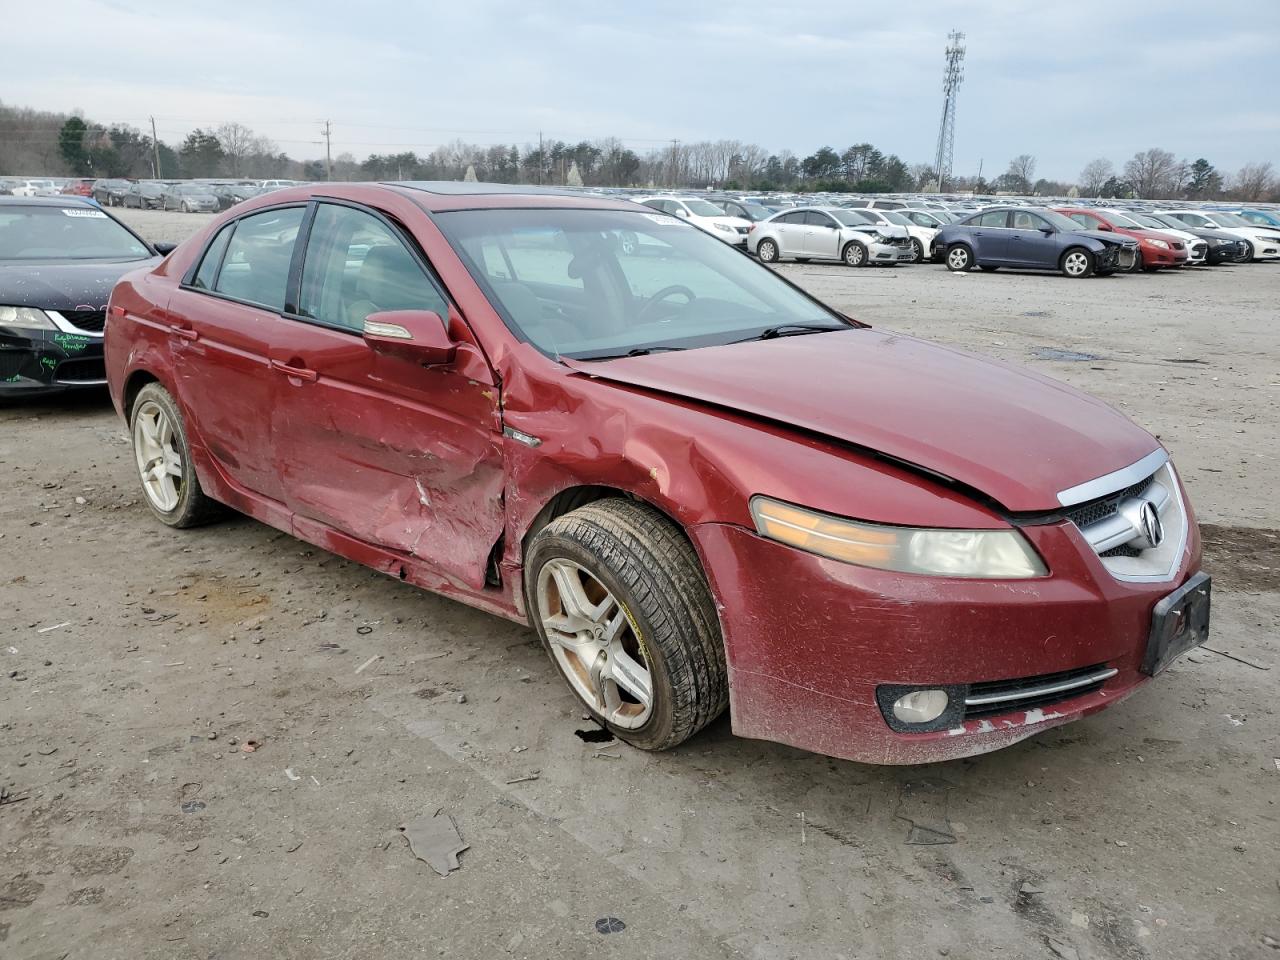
(164,249)
(1107,227)
(1048,230)
(417,335)
(682,212)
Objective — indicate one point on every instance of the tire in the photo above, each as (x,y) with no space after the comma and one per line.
(917,251)
(188,506)
(855,254)
(959,258)
(1077,263)
(638,568)
(767,251)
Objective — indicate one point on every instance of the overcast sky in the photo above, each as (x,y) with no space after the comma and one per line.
(1064,82)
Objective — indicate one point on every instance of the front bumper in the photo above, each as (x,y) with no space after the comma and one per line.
(1157,257)
(49,361)
(889,253)
(1116,257)
(1232,252)
(805,662)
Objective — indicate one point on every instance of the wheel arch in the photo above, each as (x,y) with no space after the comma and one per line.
(579,495)
(133,386)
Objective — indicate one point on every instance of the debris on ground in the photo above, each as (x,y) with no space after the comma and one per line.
(1063,950)
(368,663)
(7,797)
(610,925)
(923,804)
(526,779)
(435,841)
(288,772)
(1232,656)
(249,746)
(599,735)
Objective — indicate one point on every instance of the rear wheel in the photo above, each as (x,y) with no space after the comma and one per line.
(767,251)
(170,486)
(1077,263)
(855,254)
(619,600)
(959,258)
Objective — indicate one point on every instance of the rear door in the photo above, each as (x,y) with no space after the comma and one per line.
(394,454)
(990,236)
(226,319)
(791,228)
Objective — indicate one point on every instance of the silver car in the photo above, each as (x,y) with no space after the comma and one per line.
(828,233)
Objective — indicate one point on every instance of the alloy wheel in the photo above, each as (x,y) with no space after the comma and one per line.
(958,259)
(159,463)
(595,643)
(1075,263)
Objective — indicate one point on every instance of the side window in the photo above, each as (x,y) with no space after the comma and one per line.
(791,219)
(1025,221)
(813,218)
(256,267)
(994,218)
(356,265)
(656,204)
(203,280)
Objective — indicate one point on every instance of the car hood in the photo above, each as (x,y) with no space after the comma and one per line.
(884,229)
(63,286)
(1108,236)
(1015,436)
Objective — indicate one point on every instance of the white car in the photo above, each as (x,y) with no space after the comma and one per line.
(701,213)
(34,188)
(829,233)
(1264,243)
(921,237)
(933,219)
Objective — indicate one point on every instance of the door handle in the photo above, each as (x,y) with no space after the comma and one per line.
(301,373)
(186,333)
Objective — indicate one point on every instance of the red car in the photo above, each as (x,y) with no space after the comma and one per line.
(702,487)
(1155,249)
(79,188)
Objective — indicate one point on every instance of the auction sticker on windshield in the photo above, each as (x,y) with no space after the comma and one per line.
(83,213)
(661,218)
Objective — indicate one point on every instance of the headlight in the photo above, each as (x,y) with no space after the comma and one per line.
(725,227)
(989,554)
(1153,242)
(879,238)
(27,317)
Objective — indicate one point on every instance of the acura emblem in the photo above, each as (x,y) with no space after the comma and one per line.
(1151,529)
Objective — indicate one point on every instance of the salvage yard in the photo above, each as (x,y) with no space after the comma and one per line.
(209,739)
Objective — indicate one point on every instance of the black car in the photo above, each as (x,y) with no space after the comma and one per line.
(110,191)
(1223,247)
(145,195)
(59,259)
(747,211)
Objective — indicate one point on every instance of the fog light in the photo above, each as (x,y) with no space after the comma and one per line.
(921,706)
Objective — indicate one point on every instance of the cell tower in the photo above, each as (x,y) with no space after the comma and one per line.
(950,89)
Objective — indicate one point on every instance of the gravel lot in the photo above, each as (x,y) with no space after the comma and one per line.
(147,658)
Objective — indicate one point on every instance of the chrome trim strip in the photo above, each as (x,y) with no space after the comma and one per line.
(66,326)
(1116,480)
(1043,690)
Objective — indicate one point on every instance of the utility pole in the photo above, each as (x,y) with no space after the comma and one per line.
(542,157)
(328,153)
(951,79)
(979,171)
(675,160)
(155,150)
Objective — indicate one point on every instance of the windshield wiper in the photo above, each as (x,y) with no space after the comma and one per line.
(789,330)
(636,352)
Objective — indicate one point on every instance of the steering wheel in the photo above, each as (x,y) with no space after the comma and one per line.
(671,291)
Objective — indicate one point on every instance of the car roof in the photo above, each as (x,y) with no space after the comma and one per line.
(442,196)
(59,201)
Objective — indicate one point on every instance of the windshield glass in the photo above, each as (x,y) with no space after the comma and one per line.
(589,284)
(1231,220)
(1147,220)
(65,233)
(894,217)
(755,212)
(1059,221)
(702,208)
(1120,220)
(852,218)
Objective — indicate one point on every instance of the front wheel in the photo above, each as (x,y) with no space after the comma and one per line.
(163,456)
(855,254)
(959,258)
(621,605)
(1077,263)
(917,251)
(767,251)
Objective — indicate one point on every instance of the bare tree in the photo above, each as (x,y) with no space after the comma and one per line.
(1154,173)
(237,143)
(1022,169)
(1254,181)
(1094,176)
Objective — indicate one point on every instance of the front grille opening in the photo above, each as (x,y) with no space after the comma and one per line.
(91,321)
(85,370)
(1008,691)
(1094,510)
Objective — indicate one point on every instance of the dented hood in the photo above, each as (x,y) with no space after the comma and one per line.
(1014,435)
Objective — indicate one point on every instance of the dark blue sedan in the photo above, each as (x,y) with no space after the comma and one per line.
(1031,238)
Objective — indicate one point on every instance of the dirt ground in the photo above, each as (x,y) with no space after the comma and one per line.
(136,663)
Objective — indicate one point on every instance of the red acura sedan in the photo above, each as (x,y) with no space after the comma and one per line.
(701,486)
(1155,249)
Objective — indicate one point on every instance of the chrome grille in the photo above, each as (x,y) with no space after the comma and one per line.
(1027,693)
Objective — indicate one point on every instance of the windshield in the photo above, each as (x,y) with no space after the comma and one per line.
(1231,220)
(590,284)
(755,212)
(894,217)
(65,233)
(1120,220)
(702,208)
(852,218)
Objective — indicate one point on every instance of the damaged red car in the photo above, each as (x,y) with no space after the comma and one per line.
(702,487)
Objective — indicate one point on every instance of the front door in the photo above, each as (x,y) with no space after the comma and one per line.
(1032,241)
(380,448)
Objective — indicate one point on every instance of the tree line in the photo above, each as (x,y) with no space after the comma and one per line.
(35,142)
